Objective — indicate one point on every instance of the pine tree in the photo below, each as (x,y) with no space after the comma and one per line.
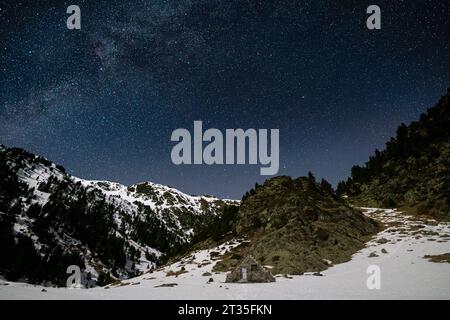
(326,186)
(311,177)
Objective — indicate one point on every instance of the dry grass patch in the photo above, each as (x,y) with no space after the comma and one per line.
(171,273)
(439,258)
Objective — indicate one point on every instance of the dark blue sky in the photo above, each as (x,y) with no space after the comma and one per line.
(104,100)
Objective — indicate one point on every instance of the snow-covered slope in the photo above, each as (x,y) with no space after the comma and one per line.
(107,227)
(398,251)
(169,204)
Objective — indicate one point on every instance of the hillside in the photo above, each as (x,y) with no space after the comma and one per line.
(297,226)
(413,172)
(50,220)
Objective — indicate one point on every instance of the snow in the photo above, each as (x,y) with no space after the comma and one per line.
(405,274)
(166,203)
(33,173)
(115,190)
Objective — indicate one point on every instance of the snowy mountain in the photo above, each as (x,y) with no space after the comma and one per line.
(50,219)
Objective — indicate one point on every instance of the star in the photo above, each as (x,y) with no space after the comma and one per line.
(104,100)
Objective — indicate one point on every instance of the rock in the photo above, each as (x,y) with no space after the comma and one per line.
(214,254)
(210,280)
(207,274)
(382,240)
(167,285)
(43,290)
(317,274)
(372,255)
(288,227)
(445,257)
(328,262)
(383,250)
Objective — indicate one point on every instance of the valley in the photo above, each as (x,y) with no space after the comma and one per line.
(405,273)
(384,233)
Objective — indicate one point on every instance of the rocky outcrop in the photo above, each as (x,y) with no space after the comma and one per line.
(296,226)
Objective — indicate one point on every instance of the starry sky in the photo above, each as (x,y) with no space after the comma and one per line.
(104,100)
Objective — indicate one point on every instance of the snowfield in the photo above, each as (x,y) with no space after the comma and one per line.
(398,251)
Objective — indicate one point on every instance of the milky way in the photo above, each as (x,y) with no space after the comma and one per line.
(103,100)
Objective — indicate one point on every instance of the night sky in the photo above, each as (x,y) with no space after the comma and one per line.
(104,100)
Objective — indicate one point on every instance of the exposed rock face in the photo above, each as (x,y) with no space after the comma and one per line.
(297,226)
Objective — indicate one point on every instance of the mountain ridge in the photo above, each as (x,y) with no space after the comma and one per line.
(412,172)
(111,230)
